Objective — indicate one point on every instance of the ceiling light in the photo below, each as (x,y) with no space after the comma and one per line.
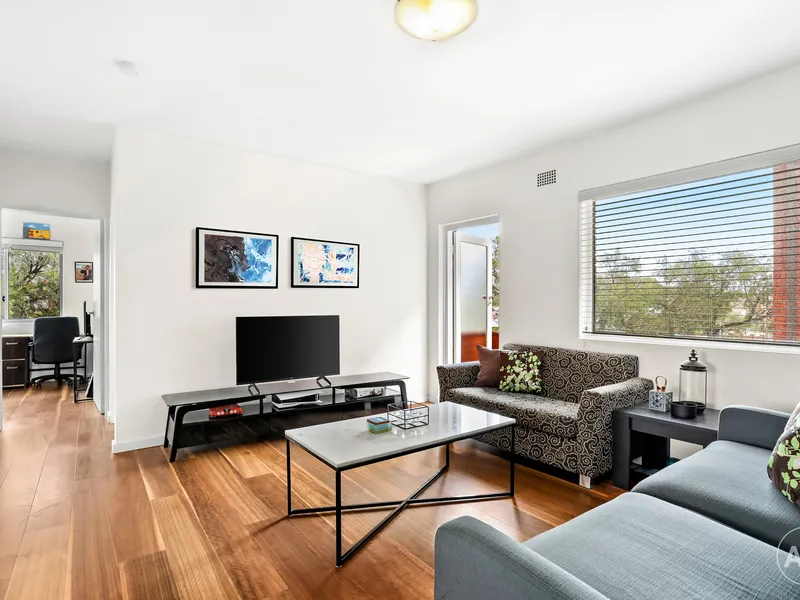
(435,20)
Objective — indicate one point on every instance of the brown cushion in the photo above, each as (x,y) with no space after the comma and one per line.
(489,375)
(784,462)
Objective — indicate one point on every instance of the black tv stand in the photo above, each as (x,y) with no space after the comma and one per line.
(189,426)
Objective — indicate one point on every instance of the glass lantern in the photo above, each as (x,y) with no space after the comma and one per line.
(694,381)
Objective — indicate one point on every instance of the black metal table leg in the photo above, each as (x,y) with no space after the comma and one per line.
(288,478)
(170,415)
(403,395)
(512,460)
(75,358)
(621,451)
(412,500)
(339,558)
(176,432)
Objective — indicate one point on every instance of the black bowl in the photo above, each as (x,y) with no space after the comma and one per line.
(684,410)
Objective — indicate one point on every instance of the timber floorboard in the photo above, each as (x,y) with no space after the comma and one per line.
(78,523)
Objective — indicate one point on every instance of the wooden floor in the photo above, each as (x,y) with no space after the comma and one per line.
(77,522)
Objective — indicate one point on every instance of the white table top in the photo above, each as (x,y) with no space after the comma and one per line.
(347,444)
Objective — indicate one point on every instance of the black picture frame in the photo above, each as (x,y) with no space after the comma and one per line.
(91,269)
(332,286)
(199,267)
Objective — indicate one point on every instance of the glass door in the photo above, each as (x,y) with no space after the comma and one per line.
(472,297)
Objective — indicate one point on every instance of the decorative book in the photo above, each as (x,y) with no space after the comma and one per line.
(379,424)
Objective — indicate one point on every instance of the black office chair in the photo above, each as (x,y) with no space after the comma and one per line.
(52,345)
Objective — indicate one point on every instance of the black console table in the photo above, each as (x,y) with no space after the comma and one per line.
(639,431)
(187,415)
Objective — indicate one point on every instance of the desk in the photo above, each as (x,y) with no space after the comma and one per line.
(256,404)
(79,345)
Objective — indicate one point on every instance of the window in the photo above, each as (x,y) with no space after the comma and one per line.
(32,282)
(712,258)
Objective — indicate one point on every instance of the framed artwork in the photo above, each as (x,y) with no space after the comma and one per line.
(36,231)
(84,272)
(320,263)
(235,259)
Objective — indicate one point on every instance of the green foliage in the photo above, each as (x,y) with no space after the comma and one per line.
(34,284)
(496,272)
(521,374)
(694,296)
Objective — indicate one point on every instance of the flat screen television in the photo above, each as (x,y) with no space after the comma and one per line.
(282,348)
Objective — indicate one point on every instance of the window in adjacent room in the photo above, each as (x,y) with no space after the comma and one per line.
(714,258)
(32,282)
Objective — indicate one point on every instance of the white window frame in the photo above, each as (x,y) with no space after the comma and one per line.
(750,162)
(35,245)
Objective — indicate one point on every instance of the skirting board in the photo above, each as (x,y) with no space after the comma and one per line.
(117,447)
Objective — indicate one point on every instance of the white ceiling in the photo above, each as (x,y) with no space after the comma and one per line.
(336,82)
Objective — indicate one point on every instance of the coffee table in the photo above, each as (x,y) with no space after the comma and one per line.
(346,445)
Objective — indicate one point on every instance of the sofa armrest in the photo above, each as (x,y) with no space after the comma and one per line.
(476,562)
(753,426)
(605,399)
(456,376)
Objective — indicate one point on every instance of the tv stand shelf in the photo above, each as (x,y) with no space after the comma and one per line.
(189,426)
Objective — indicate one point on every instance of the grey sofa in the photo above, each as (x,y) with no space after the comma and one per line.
(569,425)
(706,527)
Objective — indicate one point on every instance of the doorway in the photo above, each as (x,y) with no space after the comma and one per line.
(473,288)
(52,266)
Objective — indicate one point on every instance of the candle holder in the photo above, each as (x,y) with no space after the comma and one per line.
(660,398)
(694,382)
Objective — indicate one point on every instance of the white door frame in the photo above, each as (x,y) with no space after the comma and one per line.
(446,251)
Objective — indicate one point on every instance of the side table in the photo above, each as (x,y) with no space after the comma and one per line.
(639,431)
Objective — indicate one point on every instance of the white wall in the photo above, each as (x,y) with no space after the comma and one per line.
(81,239)
(54,185)
(539,237)
(170,337)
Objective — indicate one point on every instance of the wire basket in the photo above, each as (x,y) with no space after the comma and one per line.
(408,415)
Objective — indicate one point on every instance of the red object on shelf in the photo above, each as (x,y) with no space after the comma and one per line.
(230,410)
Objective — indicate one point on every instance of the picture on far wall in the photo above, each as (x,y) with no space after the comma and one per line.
(84,272)
(235,259)
(320,263)
(36,231)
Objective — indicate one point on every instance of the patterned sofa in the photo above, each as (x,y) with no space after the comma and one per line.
(569,426)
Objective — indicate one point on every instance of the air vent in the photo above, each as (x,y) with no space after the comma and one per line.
(546,178)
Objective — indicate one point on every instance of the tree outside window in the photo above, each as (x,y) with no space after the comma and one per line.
(34,284)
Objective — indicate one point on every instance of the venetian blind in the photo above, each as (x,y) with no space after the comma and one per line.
(713,258)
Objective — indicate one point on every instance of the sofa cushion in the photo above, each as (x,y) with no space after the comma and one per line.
(726,482)
(489,375)
(566,374)
(783,467)
(519,372)
(637,546)
(533,412)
